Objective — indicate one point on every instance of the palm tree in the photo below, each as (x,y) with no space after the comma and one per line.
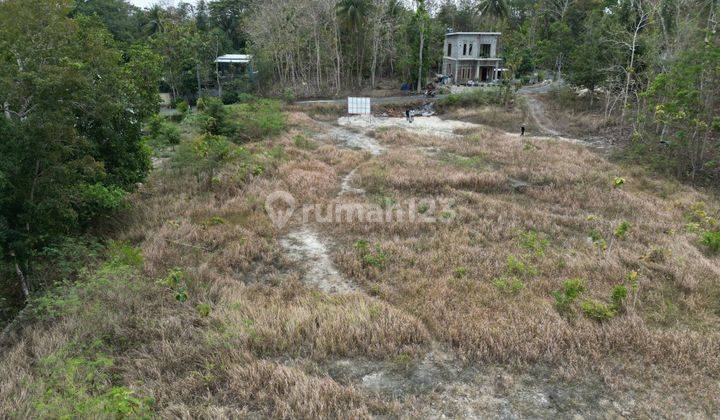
(497,9)
(352,14)
(155,20)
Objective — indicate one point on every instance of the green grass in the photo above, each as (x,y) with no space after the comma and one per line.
(474,97)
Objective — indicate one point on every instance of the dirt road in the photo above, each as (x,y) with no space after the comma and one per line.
(375,101)
(536,109)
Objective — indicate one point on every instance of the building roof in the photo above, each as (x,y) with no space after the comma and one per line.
(472,33)
(234,58)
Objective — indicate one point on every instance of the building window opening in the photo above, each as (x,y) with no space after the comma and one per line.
(485,50)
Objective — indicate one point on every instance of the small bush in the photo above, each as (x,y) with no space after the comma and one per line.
(96,201)
(229,97)
(78,386)
(170,134)
(600,311)
(162,132)
(508,286)
(711,239)
(474,97)
(533,242)
(154,126)
(204,156)
(234,97)
(124,254)
(303,142)
(175,281)
(518,267)
(597,310)
(200,105)
(369,257)
(182,107)
(565,297)
(215,109)
(460,272)
(618,296)
(257,120)
(597,239)
(288,96)
(204,309)
(622,229)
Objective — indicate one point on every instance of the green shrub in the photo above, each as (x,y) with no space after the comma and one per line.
(622,229)
(600,311)
(182,107)
(508,286)
(518,267)
(235,97)
(200,105)
(597,239)
(217,122)
(204,156)
(597,310)
(170,134)
(460,272)
(175,281)
(288,96)
(257,120)
(303,142)
(80,386)
(711,239)
(369,257)
(565,297)
(97,201)
(162,132)
(123,254)
(154,126)
(474,97)
(204,309)
(533,242)
(618,296)
(229,97)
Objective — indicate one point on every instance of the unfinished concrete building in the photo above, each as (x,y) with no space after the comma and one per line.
(471,56)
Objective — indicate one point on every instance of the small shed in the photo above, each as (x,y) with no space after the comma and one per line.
(231,65)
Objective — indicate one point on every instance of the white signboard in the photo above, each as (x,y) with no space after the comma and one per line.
(358,105)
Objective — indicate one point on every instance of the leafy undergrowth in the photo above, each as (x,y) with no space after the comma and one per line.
(197,312)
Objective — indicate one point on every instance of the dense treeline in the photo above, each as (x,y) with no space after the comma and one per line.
(71,145)
(78,78)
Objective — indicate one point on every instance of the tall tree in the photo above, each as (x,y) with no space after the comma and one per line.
(494,9)
(70,131)
(352,14)
(230,16)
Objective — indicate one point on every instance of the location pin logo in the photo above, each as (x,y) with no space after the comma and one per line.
(280,206)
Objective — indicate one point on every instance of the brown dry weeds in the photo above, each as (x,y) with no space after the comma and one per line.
(261,349)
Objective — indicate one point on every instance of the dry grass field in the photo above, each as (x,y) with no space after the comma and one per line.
(552,283)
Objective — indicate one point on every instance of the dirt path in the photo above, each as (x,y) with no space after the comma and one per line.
(537,113)
(346,188)
(536,109)
(422,125)
(441,383)
(307,249)
(352,139)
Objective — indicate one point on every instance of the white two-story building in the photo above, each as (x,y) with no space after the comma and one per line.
(471,56)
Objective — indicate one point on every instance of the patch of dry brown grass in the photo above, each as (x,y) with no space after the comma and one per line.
(252,340)
(671,323)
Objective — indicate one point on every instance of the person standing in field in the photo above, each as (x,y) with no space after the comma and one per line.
(522,130)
